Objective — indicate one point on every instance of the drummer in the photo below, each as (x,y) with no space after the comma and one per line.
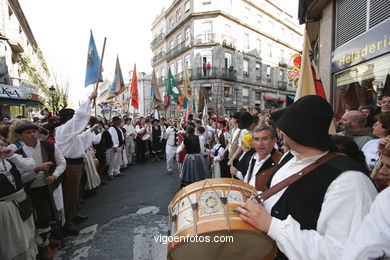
(314,217)
(264,161)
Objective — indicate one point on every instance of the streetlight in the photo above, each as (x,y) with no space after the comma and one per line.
(52,90)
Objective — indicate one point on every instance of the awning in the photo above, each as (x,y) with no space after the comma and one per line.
(277,99)
(19,102)
(291,97)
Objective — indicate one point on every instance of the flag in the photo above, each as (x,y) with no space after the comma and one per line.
(309,82)
(204,113)
(134,89)
(156,115)
(93,63)
(193,106)
(172,87)
(186,115)
(118,85)
(156,97)
(167,100)
(182,100)
(186,85)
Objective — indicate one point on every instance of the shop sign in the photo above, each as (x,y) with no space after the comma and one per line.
(369,45)
(13,92)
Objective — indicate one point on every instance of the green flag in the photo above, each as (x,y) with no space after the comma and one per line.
(172,87)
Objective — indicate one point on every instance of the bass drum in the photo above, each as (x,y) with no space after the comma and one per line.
(146,137)
(204,211)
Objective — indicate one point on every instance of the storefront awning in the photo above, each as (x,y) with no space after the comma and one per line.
(18,96)
(273,98)
(291,97)
(19,102)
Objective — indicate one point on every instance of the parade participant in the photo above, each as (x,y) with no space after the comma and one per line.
(41,190)
(118,140)
(264,161)
(129,139)
(235,137)
(163,128)
(241,167)
(171,147)
(93,136)
(16,219)
(156,140)
(353,123)
(101,148)
(221,126)
(313,217)
(216,155)
(13,139)
(70,144)
(200,132)
(193,169)
(141,148)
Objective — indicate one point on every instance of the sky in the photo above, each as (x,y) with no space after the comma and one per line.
(61,29)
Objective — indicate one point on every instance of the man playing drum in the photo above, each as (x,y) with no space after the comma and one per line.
(320,209)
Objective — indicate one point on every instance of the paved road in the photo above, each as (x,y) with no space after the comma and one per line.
(124,217)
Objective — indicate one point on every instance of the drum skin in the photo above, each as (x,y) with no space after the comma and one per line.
(145,137)
(212,219)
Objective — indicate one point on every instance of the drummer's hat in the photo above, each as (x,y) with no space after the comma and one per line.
(306,121)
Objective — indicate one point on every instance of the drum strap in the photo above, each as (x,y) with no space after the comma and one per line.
(295,177)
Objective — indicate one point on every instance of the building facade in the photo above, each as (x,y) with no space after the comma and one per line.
(24,75)
(355,63)
(235,50)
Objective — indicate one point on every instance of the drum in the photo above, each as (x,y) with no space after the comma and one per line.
(206,209)
(146,137)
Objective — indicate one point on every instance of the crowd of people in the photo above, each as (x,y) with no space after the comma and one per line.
(50,163)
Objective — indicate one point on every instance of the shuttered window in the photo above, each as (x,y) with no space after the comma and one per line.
(354,17)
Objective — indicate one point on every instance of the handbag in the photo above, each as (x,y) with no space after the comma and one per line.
(25,208)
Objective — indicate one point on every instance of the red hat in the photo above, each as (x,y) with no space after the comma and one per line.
(222,120)
(213,117)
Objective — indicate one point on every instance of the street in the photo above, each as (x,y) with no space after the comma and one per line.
(124,216)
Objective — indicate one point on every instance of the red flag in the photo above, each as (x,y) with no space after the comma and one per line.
(134,89)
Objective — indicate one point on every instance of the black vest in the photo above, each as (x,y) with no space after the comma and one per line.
(6,188)
(120,137)
(192,144)
(303,199)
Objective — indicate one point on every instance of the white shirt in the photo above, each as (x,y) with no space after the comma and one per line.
(36,154)
(372,240)
(23,165)
(129,130)
(256,168)
(171,136)
(235,132)
(346,202)
(219,156)
(201,142)
(370,150)
(67,135)
(114,135)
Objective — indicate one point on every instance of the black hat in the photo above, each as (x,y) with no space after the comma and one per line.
(116,119)
(306,121)
(246,119)
(190,117)
(20,129)
(65,114)
(236,115)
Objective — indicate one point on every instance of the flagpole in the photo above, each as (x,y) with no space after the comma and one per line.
(100,73)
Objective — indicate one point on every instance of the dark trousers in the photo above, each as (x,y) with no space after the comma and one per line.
(42,205)
(71,189)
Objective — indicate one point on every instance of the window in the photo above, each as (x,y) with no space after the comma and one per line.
(178,15)
(283,33)
(258,71)
(206,2)
(269,50)
(270,26)
(179,38)
(246,41)
(187,6)
(258,46)
(227,91)
(187,61)
(281,57)
(259,19)
(281,75)
(245,92)
(258,96)
(228,60)
(188,36)
(179,66)
(245,69)
(171,22)
(247,12)
(268,73)
(173,68)
(172,45)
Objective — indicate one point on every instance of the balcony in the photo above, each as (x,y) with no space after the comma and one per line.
(205,39)
(229,73)
(204,72)
(228,42)
(161,80)
(157,39)
(181,47)
(282,85)
(180,76)
(158,57)
(245,74)
(258,78)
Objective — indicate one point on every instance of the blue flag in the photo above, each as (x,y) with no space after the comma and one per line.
(93,62)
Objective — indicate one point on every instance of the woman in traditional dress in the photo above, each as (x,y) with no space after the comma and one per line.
(216,155)
(193,169)
(16,219)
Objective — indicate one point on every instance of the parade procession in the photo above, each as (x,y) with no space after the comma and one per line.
(253,129)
